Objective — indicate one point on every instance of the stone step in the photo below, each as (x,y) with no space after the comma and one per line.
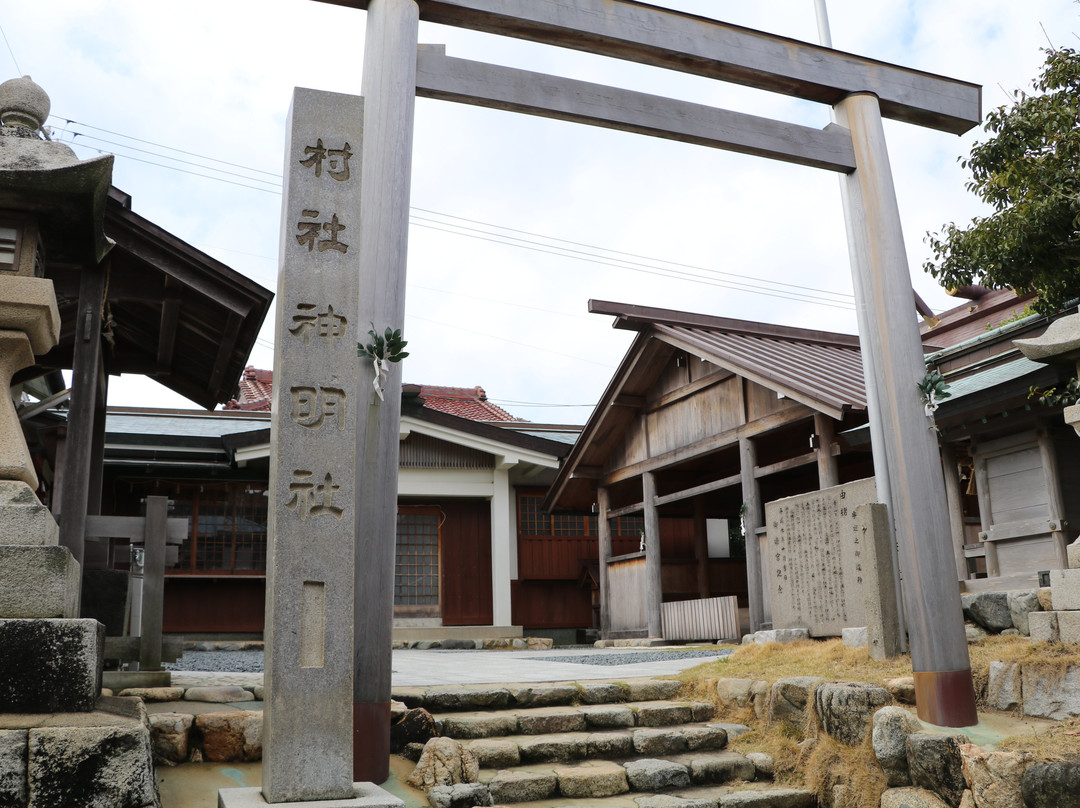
(470,698)
(604,778)
(744,795)
(552,720)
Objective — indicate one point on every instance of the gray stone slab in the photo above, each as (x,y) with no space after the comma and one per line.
(1003,688)
(1069,627)
(13,785)
(1043,626)
(1049,694)
(311,519)
(23,519)
(1065,589)
(815,578)
(50,666)
(869,544)
(365,795)
(38,582)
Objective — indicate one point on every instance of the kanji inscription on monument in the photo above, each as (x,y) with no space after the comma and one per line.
(308,725)
(816,559)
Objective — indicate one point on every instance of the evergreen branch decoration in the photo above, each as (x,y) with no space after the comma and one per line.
(934,389)
(382,350)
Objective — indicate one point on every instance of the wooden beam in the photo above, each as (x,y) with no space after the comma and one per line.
(828,467)
(221,361)
(627,400)
(625,510)
(170,316)
(785,465)
(708,445)
(704,488)
(635,31)
(688,390)
(448,79)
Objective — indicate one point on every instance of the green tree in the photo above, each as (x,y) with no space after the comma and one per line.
(1029,173)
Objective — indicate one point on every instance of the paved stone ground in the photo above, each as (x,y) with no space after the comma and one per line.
(436,667)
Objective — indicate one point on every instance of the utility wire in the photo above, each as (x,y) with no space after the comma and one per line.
(16,61)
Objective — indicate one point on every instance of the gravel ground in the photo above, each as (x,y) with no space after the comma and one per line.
(252,661)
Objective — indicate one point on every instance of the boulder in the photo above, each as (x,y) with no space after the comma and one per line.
(540,643)
(974,632)
(223,694)
(721,768)
(763,764)
(909,797)
(902,689)
(708,737)
(154,693)
(845,708)
(741,692)
(494,753)
(653,742)
(229,737)
(934,764)
(170,734)
(444,762)
(994,777)
(1051,785)
(733,730)
(892,726)
(789,697)
(649,774)
(416,726)
(461,795)
(991,611)
(91,767)
(1022,604)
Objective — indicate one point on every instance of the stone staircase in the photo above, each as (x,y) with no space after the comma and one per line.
(633,744)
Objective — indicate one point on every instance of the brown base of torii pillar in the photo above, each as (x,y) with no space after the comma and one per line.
(371,741)
(945,698)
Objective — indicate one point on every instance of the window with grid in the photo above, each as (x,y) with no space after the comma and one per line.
(416,567)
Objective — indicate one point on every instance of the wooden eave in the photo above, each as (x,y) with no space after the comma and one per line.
(179,316)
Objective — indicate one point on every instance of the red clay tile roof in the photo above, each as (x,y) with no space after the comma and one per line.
(256,388)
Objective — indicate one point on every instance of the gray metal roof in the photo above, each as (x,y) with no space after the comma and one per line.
(196,424)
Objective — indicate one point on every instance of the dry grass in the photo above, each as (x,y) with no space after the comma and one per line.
(1059,742)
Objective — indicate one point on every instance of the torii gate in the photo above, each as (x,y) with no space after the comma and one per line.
(861,91)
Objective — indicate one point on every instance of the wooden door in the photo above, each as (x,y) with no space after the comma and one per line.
(466,562)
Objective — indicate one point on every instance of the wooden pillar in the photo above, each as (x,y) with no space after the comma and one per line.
(828,467)
(502,535)
(97,555)
(753,518)
(654,585)
(986,515)
(893,361)
(603,532)
(389,90)
(956,508)
(1053,489)
(79,444)
(701,546)
(153,598)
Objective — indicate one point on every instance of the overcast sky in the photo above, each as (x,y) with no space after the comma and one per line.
(517,221)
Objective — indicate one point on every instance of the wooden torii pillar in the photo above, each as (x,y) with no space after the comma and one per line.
(862,91)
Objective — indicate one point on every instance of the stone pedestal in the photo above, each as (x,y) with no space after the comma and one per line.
(365,795)
(50,666)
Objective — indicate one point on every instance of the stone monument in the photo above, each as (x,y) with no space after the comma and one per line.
(831,566)
(307,720)
(76,749)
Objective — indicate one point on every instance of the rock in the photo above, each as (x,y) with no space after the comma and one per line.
(902,689)
(768,798)
(444,762)
(741,692)
(516,786)
(539,643)
(1003,688)
(1065,589)
(479,726)
(95,767)
(1021,604)
(709,737)
(601,693)
(563,746)
(224,694)
(154,693)
(412,751)
(991,611)
(1051,694)
(912,798)
(592,780)
(664,714)
(1012,632)
(994,777)
(789,697)
(653,742)
(892,725)
(649,774)
(1045,600)
(934,764)
(546,720)
(461,795)
(721,767)
(607,716)
(496,644)
(763,764)
(733,730)
(416,726)
(854,637)
(230,737)
(397,710)
(610,745)
(653,690)
(455,644)
(845,708)
(669,801)
(702,711)
(13,789)
(519,644)
(968,799)
(974,633)
(258,691)
(170,736)
(495,753)
(781,635)
(427,645)
(543,695)
(1043,627)
(1051,785)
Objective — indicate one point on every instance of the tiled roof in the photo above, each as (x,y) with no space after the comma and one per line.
(974,317)
(464,402)
(256,389)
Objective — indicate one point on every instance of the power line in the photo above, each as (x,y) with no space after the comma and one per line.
(16,61)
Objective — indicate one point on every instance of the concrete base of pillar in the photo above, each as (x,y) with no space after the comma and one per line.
(367,795)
